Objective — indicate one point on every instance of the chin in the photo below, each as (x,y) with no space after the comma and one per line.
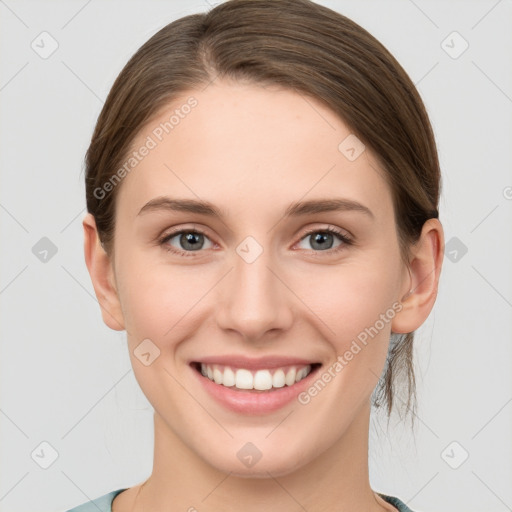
(275,465)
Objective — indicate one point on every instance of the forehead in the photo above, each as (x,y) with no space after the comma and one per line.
(245,144)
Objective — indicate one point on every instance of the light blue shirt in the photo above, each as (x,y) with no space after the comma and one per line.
(104,503)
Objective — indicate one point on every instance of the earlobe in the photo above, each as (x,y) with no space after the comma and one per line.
(425,269)
(102,276)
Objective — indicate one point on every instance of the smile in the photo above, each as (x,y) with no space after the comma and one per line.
(260,380)
(254,386)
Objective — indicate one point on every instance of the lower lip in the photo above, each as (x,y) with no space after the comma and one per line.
(250,402)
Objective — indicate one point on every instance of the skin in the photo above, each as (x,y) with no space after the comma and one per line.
(253,150)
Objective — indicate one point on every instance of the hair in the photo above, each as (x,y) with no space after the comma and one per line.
(300,46)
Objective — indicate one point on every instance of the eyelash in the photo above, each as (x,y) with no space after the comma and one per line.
(344,238)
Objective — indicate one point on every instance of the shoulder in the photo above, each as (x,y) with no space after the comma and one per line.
(101,504)
(104,503)
(392,500)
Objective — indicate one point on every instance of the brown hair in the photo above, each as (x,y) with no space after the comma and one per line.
(298,45)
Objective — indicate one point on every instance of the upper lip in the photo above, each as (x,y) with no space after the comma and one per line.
(253,363)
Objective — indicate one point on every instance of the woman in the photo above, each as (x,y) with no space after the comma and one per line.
(262,191)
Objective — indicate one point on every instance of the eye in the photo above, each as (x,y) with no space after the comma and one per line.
(189,239)
(323,239)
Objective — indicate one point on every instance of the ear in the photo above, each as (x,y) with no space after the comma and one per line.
(102,275)
(420,291)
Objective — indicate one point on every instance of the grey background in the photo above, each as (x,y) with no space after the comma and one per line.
(66,378)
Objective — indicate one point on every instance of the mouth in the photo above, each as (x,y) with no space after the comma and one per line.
(262,380)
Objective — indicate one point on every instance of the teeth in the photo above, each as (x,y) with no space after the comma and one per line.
(217,376)
(229,378)
(278,379)
(261,380)
(290,377)
(243,379)
(300,374)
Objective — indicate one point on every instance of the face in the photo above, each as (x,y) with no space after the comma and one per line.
(264,286)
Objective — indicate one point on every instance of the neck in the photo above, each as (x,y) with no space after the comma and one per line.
(335,480)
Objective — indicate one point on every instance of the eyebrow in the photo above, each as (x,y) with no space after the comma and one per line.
(297,209)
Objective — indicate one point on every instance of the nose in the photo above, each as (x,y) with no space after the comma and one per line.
(253,298)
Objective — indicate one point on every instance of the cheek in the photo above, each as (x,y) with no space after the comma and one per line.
(358,310)
(153,297)
(158,305)
(351,298)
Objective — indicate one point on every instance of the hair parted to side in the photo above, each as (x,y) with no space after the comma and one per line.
(301,46)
